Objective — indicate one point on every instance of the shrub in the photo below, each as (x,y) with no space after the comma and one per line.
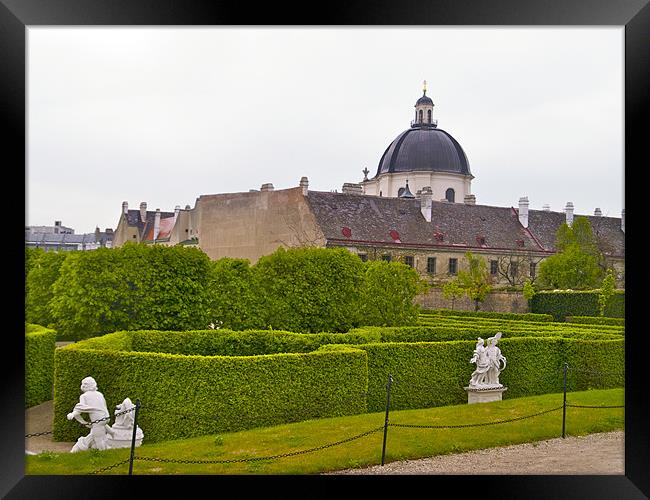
(388,293)
(136,286)
(44,270)
(576,303)
(40,343)
(309,289)
(595,320)
(428,313)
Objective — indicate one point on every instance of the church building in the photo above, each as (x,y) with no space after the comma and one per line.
(417,209)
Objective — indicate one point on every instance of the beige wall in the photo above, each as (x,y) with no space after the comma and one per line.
(124,233)
(250,225)
(499,301)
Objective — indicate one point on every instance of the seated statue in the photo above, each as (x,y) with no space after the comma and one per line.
(121,433)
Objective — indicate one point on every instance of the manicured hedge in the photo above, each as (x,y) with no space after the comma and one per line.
(182,392)
(185,396)
(434,374)
(40,343)
(576,303)
(425,313)
(246,343)
(596,320)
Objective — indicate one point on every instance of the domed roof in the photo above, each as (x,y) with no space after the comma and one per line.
(424,148)
(424,100)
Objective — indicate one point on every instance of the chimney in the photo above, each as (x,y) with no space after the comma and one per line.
(470,199)
(351,188)
(623,220)
(125,207)
(569,213)
(304,184)
(156,225)
(546,207)
(425,202)
(598,213)
(143,211)
(267,187)
(523,211)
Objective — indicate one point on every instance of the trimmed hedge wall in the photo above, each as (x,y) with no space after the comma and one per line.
(596,320)
(40,343)
(573,303)
(426,313)
(186,396)
(434,374)
(183,391)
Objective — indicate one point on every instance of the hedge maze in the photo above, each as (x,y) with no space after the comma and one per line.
(209,381)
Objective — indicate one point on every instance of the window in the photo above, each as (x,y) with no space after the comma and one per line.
(429,115)
(513,269)
(431,265)
(385,257)
(450,195)
(400,191)
(408,260)
(421,116)
(453,266)
(379,193)
(494,267)
(363,257)
(533,267)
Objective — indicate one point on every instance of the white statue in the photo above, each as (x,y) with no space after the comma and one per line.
(121,433)
(479,375)
(93,403)
(488,364)
(496,358)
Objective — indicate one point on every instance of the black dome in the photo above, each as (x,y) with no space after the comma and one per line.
(424,100)
(424,148)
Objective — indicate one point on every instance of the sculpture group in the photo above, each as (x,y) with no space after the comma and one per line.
(102,436)
(489,364)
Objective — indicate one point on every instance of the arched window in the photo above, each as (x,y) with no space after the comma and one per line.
(450,195)
(420,116)
(379,193)
(400,191)
(429,115)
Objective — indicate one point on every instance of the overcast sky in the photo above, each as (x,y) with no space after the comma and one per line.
(165,115)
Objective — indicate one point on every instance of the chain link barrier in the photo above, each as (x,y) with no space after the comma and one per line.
(474,425)
(589,406)
(38,434)
(104,469)
(256,459)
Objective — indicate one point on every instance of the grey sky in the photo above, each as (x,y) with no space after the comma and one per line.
(164,115)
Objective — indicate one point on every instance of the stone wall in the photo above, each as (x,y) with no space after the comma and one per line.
(499,301)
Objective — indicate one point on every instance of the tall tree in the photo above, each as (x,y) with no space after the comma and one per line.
(476,279)
(577,263)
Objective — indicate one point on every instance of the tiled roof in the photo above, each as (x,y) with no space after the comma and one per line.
(382,220)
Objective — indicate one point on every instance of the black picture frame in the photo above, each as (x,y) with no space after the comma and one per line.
(17,15)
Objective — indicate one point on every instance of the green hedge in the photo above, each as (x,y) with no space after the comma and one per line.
(434,373)
(576,303)
(186,396)
(40,343)
(245,343)
(326,375)
(596,320)
(426,313)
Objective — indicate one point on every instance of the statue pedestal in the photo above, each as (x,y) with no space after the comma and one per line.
(484,394)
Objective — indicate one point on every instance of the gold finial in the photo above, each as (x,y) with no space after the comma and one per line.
(424,87)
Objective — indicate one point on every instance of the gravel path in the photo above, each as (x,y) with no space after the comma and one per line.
(602,453)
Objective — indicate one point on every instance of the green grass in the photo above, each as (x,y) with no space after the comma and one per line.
(402,442)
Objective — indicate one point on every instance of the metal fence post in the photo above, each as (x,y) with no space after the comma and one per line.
(135,428)
(383,449)
(566,366)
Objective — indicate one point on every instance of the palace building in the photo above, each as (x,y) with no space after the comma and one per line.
(418,209)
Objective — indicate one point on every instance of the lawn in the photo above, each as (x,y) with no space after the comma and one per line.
(321,445)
